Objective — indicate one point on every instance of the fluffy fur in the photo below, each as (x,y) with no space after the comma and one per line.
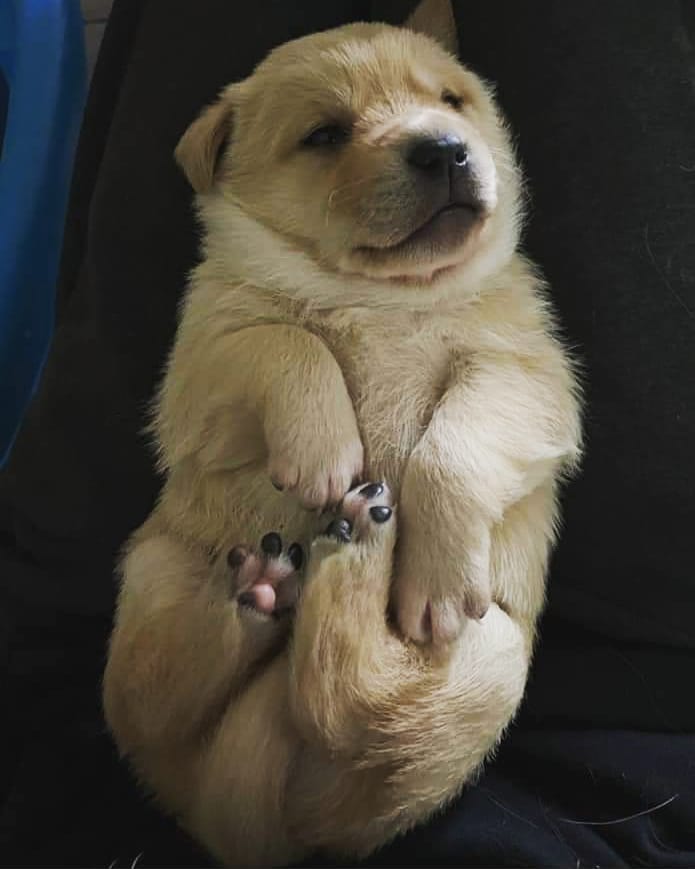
(322,343)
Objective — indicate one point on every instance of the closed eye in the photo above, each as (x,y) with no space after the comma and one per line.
(330,135)
(452,99)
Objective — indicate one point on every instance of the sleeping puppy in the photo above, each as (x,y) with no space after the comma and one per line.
(363,338)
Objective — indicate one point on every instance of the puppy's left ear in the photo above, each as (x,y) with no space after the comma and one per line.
(435,18)
(198,150)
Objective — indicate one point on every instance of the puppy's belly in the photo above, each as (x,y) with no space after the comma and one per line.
(255,508)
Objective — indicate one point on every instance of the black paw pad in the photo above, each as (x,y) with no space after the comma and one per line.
(380,514)
(296,555)
(341,529)
(271,544)
(236,556)
(247,599)
(372,490)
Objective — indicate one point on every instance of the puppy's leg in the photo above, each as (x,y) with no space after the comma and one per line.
(268,391)
(240,809)
(188,633)
(343,654)
(393,730)
(427,739)
(503,428)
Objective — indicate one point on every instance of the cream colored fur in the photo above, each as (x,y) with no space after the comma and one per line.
(305,357)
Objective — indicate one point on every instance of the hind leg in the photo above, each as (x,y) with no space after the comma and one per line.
(344,653)
(392,730)
(188,633)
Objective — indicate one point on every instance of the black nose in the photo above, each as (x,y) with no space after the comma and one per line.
(434,152)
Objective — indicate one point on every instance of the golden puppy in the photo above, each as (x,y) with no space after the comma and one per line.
(361,313)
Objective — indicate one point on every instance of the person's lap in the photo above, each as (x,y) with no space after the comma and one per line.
(600,96)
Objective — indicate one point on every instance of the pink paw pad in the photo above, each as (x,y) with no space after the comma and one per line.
(266,579)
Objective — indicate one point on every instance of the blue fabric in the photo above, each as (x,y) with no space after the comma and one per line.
(42,62)
(4,99)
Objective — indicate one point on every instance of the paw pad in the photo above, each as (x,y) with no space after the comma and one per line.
(341,529)
(361,509)
(265,579)
(380,514)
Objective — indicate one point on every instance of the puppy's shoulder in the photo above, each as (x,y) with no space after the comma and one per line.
(216,303)
(516,310)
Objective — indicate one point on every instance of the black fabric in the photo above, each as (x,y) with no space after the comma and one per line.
(602,96)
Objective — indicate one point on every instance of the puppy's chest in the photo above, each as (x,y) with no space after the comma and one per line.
(396,370)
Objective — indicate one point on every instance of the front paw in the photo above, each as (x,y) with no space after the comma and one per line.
(318,469)
(442,583)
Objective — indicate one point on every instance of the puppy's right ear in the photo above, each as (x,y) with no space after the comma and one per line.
(435,18)
(198,150)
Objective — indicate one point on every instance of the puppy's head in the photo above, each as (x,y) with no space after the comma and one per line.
(368,149)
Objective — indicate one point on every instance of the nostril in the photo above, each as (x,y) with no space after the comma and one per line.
(461,156)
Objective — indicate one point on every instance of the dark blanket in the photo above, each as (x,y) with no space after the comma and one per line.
(600,768)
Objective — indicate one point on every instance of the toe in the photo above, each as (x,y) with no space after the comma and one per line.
(372,490)
(477,604)
(341,529)
(236,556)
(380,514)
(271,544)
(445,623)
(296,556)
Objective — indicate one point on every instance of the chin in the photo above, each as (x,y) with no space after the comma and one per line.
(422,258)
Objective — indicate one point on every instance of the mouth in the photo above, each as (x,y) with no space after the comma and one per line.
(442,232)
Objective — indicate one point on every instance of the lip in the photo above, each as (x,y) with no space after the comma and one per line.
(444,230)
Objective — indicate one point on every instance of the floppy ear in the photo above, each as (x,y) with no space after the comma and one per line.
(198,150)
(435,18)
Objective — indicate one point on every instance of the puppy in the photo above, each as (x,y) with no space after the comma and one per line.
(361,313)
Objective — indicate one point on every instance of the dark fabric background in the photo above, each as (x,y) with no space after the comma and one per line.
(601,94)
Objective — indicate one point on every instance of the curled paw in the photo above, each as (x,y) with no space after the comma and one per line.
(438,591)
(266,579)
(363,514)
(320,478)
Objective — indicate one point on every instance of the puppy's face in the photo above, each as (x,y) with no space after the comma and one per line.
(369,148)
